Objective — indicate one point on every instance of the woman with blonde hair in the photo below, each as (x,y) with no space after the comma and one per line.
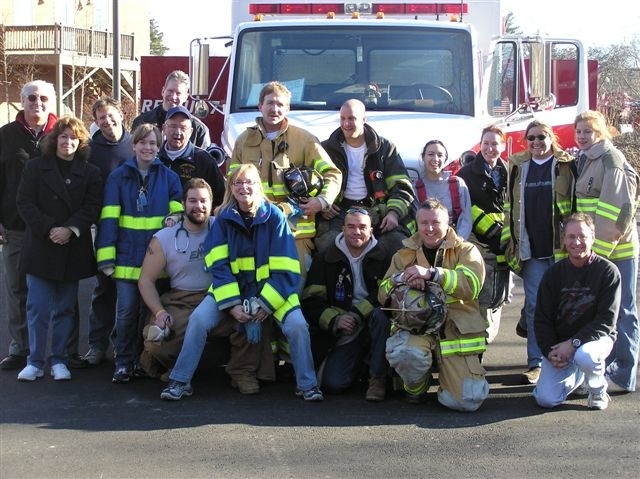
(255,272)
(607,190)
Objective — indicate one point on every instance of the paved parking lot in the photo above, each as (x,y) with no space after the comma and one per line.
(89,428)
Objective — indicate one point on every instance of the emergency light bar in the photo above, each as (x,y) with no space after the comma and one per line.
(350,8)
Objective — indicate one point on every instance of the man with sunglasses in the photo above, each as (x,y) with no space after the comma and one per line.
(340,302)
(19,142)
(373,176)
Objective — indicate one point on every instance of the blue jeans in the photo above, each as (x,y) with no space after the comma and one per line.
(207,316)
(587,366)
(532,271)
(622,363)
(55,301)
(343,362)
(127,329)
(102,312)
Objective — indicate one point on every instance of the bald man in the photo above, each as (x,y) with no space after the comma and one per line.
(373,178)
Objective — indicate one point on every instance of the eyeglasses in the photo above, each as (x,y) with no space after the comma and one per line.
(536,137)
(355,210)
(239,183)
(182,129)
(43,98)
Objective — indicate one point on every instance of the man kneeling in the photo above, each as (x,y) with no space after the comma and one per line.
(575,321)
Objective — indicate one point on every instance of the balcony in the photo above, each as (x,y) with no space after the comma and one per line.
(61,40)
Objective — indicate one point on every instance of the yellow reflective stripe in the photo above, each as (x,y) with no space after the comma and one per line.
(392,180)
(243,263)
(232,168)
(623,251)
(127,272)
(608,210)
(601,244)
(106,253)
(217,253)
(175,206)
(564,206)
(398,205)
(141,223)
(110,212)
(417,390)
(284,263)
(321,165)
(274,347)
(283,346)
(560,255)
(463,346)
(226,291)
(475,281)
(273,297)
(450,280)
(291,302)
(586,205)
(387,285)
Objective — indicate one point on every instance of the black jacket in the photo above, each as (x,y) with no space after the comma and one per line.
(485,196)
(46,200)
(196,163)
(17,145)
(108,155)
(382,162)
(199,135)
(321,302)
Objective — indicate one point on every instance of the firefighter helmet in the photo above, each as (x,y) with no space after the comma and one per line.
(303,182)
(418,311)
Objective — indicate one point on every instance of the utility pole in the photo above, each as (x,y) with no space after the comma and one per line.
(116,51)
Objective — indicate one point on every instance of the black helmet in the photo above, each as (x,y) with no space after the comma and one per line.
(417,311)
(303,182)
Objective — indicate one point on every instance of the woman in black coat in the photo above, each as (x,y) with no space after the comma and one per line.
(59,198)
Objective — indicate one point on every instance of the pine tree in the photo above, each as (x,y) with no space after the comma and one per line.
(156,46)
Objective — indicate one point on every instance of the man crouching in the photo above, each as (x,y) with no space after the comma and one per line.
(435,254)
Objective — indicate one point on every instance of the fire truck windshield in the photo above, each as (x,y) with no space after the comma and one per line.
(388,67)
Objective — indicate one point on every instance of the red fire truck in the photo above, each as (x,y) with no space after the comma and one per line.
(425,70)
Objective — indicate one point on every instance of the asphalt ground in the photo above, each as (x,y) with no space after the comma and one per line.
(91,428)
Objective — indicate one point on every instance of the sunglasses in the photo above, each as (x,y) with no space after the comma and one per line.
(537,137)
(43,98)
(354,210)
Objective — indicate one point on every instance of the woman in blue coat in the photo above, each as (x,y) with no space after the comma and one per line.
(138,195)
(59,198)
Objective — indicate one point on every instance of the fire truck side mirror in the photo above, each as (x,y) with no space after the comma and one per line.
(199,68)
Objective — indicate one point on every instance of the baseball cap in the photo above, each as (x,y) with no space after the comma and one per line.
(178,109)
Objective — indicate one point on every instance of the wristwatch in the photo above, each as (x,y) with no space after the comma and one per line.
(576,343)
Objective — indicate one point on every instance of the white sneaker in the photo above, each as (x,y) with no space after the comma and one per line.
(598,401)
(60,372)
(614,388)
(30,373)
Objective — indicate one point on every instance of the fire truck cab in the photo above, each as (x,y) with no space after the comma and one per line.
(424,70)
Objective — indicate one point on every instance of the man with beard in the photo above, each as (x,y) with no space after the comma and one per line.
(178,251)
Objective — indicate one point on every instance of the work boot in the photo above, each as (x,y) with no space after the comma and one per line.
(531,376)
(245,384)
(377,389)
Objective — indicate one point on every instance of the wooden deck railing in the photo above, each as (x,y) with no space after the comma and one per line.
(57,39)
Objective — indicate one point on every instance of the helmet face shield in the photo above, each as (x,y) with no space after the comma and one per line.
(303,182)
(417,311)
